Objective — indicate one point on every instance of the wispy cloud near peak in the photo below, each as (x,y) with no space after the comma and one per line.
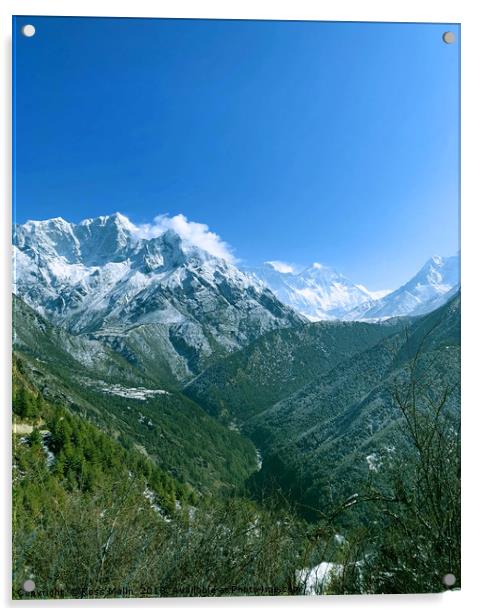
(194,233)
(281,266)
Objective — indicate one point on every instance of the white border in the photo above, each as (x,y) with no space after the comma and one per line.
(457,11)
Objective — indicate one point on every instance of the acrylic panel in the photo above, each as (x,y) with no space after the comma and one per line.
(236,309)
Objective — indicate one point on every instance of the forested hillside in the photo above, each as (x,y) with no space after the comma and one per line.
(280,363)
(321,441)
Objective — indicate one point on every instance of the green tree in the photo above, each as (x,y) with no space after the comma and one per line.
(23,403)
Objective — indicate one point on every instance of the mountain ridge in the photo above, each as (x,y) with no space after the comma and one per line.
(319,292)
(58,264)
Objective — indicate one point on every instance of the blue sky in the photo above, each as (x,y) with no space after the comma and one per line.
(293,141)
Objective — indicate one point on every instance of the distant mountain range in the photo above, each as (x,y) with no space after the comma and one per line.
(320,293)
(100,277)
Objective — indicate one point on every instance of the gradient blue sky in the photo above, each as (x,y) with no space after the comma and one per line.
(294,141)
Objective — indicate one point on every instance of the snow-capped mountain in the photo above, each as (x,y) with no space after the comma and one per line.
(432,286)
(165,301)
(318,292)
(159,301)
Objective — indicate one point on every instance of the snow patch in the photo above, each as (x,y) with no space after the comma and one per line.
(259,459)
(314,581)
(152,499)
(373,462)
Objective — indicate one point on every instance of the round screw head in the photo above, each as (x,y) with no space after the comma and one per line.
(449,579)
(448,37)
(28,30)
(29,586)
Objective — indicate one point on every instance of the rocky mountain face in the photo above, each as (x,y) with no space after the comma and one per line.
(164,304)
(42,342)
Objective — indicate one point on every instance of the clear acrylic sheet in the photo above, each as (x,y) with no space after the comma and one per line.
(236,307)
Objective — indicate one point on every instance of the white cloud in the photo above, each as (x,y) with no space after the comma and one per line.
(280,266)
(193,233)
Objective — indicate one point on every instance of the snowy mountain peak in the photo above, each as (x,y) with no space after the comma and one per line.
(115,221)
(51,223)
(318,292)
(171,247)
(320,272)
(431,286)
(46,226)
(115,218)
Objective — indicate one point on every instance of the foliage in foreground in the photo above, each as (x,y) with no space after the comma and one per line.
(414,501)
